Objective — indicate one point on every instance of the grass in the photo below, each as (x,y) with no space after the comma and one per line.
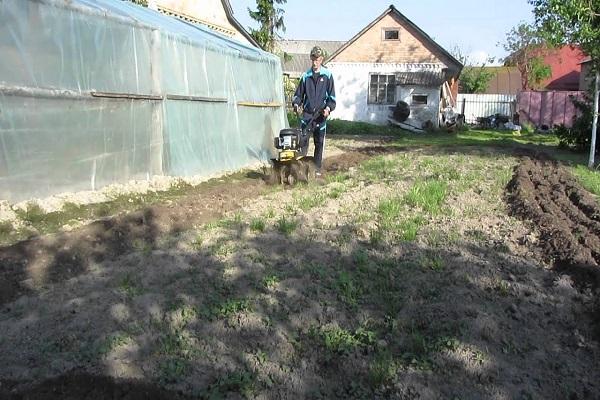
(242,382)
(429,195)
(286,226)
(129,287)
(310,201)
(257,225)
(338,340)
(589,179)
(112,342)
(383,369)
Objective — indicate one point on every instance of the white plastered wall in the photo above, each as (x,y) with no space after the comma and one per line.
(352,83)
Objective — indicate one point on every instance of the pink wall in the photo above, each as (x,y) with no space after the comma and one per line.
(547,108)
(566,68)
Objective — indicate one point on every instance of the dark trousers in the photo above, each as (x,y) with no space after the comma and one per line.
(319,141)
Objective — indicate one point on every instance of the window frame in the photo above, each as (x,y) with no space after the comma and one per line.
(388,85)
(419,104)
(385,30)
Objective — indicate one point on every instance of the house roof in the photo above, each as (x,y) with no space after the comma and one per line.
(421,78)
(299,51)
(425,37)
(305,46)
(236,24)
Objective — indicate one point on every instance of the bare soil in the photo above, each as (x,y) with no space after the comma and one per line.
(567,216)
(192,300)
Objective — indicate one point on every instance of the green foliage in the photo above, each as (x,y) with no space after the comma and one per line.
(341,127)
(475,79)
(348,289)
(311,200)
(32,213)
(590,179)
(570,22)
(173,369)
(112,342)
(286,226)
(270,19)
(143,3)
(270,281)
(382,370)
(242,382)
(428,194)
(341,341)
(6,227)
(257,224)
(526,46)
(129,287)
(231,307)
(578,136)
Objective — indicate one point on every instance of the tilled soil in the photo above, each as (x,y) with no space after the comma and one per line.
(29,264)
(567,216)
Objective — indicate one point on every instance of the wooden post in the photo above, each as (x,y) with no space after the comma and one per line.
(595,119)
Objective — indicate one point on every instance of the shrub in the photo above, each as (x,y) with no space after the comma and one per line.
(578,136)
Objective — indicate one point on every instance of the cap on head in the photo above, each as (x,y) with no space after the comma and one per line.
(317,52)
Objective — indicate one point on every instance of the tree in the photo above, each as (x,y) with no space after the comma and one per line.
(527,48)
(270,19)
(473,78)
(140,2)
(574,22)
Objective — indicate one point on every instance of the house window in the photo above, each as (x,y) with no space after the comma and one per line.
(391,34)
(419,99)
(382,89)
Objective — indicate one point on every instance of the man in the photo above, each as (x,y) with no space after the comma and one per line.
(316,92)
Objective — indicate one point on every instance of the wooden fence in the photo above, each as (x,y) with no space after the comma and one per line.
(546,109)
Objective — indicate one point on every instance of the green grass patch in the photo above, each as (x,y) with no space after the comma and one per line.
(589,179)
(270,282)
(348,289)
(311,201)
(227,308)
(390,209)
(129,287)
(382,370)
(341,341)
(257,225)
(379,168)
(6,229)
(112,342)
(429,195)
(245,383)
(286,226)
(173,369)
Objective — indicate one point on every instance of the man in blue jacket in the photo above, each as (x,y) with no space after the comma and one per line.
(316,92)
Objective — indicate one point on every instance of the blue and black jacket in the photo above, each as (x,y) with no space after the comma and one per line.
(314,92)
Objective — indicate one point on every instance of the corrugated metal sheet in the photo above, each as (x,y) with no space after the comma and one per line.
(299,50)
(484,105)
(548,108)
(421,78)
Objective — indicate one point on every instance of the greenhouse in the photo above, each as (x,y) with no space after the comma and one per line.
(100,92)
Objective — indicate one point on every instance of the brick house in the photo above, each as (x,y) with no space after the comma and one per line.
(215,14)
(393,60)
